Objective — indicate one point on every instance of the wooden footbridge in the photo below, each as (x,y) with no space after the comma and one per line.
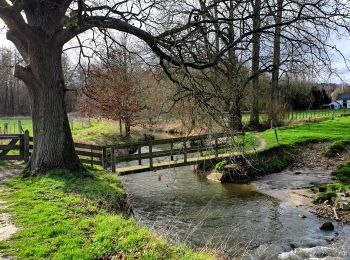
(136,157)
(168,153)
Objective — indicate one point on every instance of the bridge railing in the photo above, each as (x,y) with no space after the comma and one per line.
(19,147)
(183,146)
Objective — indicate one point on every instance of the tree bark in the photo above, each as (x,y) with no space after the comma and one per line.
(120,127)
(235,115)
(255,106)
(53,142)
(276,53)
(127,129)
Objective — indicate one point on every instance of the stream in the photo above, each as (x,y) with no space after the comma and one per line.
(237,220)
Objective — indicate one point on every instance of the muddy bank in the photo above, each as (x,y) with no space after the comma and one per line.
(288,174)
(309,169)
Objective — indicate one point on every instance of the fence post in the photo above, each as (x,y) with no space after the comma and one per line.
(6,125)
(104,158)
(150,157)
(92,158)
(139,153)
(185,152)
(26,146)
(216,148)
(171,151)
(113,162)
(20,129)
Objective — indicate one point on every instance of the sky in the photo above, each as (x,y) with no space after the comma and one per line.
(339,65)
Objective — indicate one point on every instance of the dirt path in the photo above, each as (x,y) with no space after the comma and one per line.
(262,144)
(7,228)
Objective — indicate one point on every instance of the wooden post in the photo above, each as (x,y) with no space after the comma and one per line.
(150,157)
(6,125)
(92,158)
(113,162)
(104,158)
(276,135)
(171,151)
(20,129)
(26,146)
(201,147)
(139,153)
(185,152)
(216,148)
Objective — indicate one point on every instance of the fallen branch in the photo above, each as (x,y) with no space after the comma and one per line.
(335,214)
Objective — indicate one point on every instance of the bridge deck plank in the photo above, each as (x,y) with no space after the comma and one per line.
(170,164)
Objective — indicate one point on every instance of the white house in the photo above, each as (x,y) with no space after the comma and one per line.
(342,101)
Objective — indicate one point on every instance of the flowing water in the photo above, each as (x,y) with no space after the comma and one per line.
(234,219)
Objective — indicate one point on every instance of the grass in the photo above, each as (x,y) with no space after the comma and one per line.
(65,216)
(276,156)
(336,131)
(343,173)
(4,165)
(336,147)
(330,130)
(269,161)
(84,130)
(13,124)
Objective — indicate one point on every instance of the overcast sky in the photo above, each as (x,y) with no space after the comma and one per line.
(338,61)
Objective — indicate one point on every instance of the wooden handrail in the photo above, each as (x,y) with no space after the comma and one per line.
(172,140)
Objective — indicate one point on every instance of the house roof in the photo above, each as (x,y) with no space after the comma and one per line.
(343,96)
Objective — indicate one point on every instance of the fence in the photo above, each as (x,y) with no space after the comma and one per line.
(18,147)
(302,114)
(110,156)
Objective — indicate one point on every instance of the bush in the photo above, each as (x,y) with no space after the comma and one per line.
(271,161)
(335,147)
(343,172)
(322,197)
(220,165)
(275,111)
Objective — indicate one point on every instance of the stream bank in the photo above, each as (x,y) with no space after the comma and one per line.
(240,221)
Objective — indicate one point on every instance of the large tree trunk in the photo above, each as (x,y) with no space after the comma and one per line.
(276,53)
(53,143)
(255,106)
(235,114)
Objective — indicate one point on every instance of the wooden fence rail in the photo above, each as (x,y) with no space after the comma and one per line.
(181,146)
(20,146)
(17,148)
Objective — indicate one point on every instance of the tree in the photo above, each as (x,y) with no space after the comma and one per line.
(13,94)
(113,94)
(39,29)
(255,106)
(277,52)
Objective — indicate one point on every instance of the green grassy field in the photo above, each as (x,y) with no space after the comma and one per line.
(83,129)
(65,216)
(332,130)
(336,131)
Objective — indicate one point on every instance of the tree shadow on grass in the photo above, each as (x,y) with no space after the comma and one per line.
(95,189)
